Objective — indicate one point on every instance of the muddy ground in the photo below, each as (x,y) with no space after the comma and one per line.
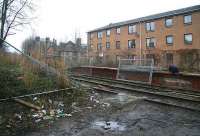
(122,115)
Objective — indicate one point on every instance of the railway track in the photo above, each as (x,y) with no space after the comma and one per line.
(175,97)
(143,85)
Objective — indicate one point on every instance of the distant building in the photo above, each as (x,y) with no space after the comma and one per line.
(169,38)
(44,45)
(38,47)
(49,51)
(72,52)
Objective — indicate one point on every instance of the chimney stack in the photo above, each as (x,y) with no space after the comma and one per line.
(78,41)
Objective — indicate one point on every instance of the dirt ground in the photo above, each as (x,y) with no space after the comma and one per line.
(122,115)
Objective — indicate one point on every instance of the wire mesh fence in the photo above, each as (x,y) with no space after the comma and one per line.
(141,69)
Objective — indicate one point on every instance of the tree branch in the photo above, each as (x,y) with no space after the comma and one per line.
(16,14)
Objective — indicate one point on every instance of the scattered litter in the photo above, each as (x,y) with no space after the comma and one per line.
(88,107)
(97,101)
(106,104)
(47,117)
(52,112)
(91,98)
(59,111)
(108,125)
(44,112)
(18,116)
(61,104)
(63,115)
(37,120)
(50,101)
(36,115)
(68,115)
(35,98)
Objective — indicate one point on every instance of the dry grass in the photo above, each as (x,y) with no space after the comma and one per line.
(9,58)
(57,63)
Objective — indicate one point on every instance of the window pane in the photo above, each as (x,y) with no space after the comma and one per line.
(152,26)
(108,45)
(188,38)
(130,29)
(131,43)
(148,28)
(169,39)
(99,34)
(118,30)
(147,41)
(168,22)
(187,19)
(153,41)
(150,42)
(99,46)
(108,33)
(117,44)
(134,28)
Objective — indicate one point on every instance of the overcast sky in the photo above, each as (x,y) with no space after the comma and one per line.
(60,19)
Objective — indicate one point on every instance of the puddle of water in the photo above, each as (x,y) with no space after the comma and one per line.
(108,125)
(121,98)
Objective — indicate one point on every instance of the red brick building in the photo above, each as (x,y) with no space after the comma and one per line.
(169,37)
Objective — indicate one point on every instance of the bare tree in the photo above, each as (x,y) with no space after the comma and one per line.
(14,15)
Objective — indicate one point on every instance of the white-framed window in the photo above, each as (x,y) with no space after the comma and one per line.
(99,46)
(107,33)
(118,30)
(188,38)
(187,19)
(150,26)
(131,29)
(131,44)
(99,35)
(108,45)
(168,22)
(169,39)
(150,42)
(117,44)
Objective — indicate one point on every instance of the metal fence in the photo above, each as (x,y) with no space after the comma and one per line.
(141,69)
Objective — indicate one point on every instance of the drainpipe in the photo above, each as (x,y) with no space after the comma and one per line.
(140,40)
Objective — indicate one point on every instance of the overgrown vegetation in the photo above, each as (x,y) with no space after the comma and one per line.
(19,76)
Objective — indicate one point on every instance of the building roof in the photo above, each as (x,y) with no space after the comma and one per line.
(68,47)
(71,47)
(151,17)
